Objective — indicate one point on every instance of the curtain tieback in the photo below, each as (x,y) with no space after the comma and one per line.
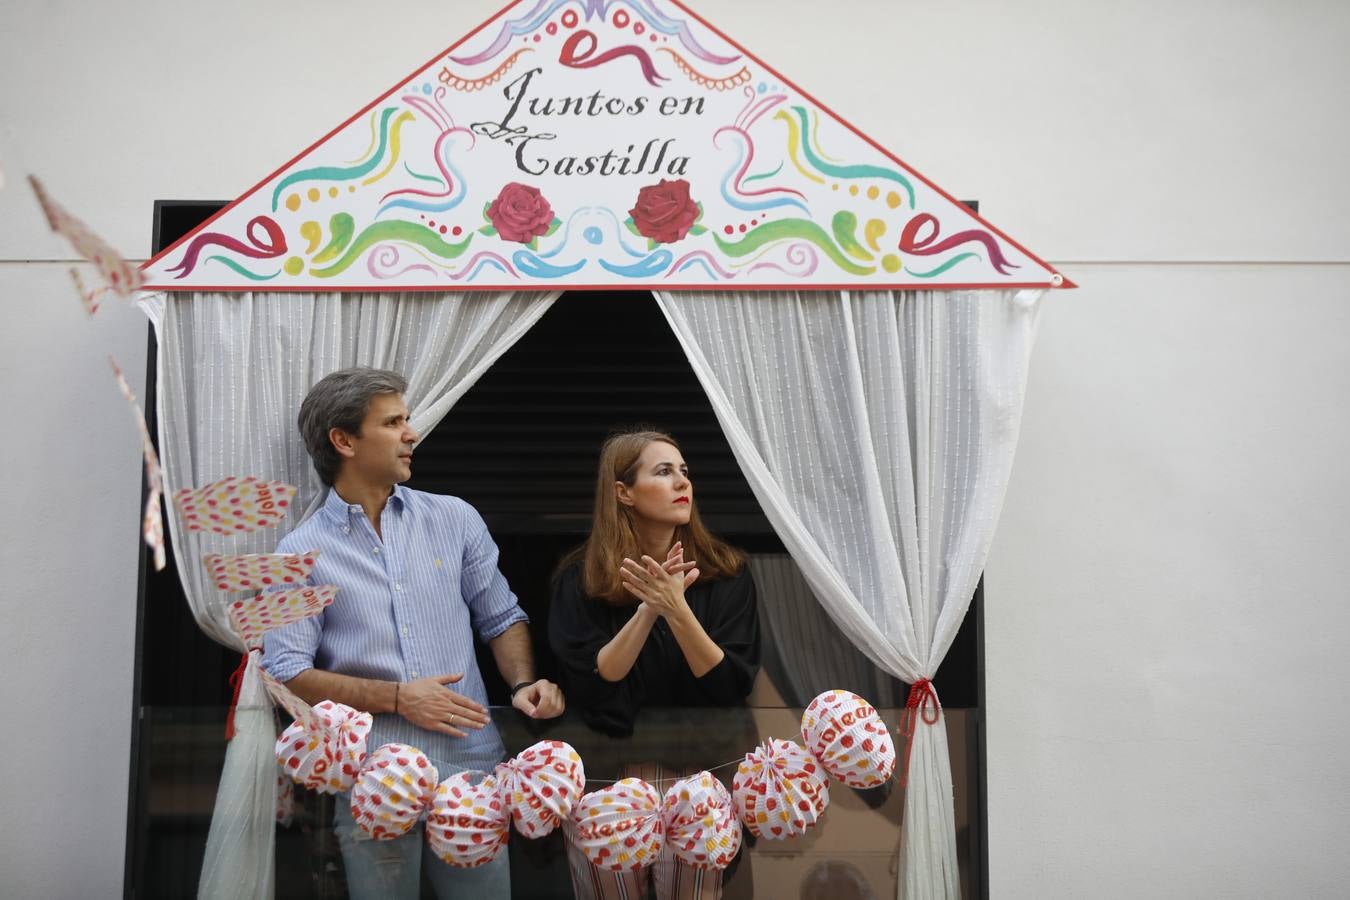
(921,704)
(236,682)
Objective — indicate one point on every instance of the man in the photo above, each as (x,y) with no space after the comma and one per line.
(417,578)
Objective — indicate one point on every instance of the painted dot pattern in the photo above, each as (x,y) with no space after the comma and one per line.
(619,828)
(235,505)
(700,821)
(467,825)
(253,617)
(845,734)
(779,790)
(540,785)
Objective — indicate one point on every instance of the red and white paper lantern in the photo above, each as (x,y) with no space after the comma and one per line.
(779,790)
(467,825)
(619,827)
(700,822)
(846,735)
(540,785)
(392,791)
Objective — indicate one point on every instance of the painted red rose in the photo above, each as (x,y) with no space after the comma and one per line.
(520,213)
(664,211)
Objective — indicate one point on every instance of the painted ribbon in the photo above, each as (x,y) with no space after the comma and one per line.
(270,245)
(575,57)
(910,242)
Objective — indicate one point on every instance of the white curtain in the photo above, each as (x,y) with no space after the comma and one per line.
(804,652)
(877,431)
(233,369)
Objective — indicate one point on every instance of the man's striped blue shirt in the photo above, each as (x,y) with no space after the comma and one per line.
(407,607)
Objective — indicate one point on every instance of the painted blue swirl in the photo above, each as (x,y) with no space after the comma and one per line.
(650,267)
(533,266)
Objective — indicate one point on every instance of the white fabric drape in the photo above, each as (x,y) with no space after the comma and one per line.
(804,652)
(233,369)
(877,431)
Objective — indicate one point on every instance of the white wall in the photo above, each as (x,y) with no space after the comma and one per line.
(1166,594)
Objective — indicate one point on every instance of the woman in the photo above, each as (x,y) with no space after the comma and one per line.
(630,631)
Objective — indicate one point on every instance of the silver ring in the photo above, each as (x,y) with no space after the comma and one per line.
(452,718)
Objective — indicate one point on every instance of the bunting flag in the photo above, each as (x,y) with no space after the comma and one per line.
(235,505)
(255,616)
(152,523)
(121,276)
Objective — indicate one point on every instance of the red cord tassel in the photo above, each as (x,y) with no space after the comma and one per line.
(236,681)
(922,703)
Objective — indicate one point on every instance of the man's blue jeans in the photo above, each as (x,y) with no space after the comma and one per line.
(392,870)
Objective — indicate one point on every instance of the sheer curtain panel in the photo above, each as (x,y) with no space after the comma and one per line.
(233,368)
(877,431)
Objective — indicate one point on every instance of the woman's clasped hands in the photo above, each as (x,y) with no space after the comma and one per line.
(660,587)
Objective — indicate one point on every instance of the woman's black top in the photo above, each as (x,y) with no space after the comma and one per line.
(579,626)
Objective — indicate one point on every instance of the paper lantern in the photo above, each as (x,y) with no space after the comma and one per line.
(306,756)
(700,822)
(846,735)
(348,730)
(467,824)
(619,827)
(392,791)
(540,785)
(779,790)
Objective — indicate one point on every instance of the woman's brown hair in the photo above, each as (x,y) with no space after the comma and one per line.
(614,535)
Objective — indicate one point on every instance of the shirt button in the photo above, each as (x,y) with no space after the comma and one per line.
(414,674)
(376,550)
(346,530)
(405,629)
(398,587)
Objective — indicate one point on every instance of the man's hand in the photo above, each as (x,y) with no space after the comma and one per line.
(429,704)
(541,700)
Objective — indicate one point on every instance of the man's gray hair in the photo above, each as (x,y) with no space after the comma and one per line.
(341,400)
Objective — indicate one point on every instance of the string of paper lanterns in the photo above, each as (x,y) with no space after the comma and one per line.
(780,790)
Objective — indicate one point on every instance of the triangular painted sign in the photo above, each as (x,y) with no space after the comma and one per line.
(599,144)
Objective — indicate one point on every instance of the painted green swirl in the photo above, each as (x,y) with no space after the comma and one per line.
(843,225)
(783,229)
(409,232)
(342,226)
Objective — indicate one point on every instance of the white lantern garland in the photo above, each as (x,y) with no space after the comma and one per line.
(779,790)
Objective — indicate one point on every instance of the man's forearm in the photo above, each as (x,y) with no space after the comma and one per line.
(365,694)
(513,654)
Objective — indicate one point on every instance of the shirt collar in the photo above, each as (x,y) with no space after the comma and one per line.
(340,511)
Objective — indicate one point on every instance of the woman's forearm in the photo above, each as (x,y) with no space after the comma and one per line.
(700,651)
(615,659)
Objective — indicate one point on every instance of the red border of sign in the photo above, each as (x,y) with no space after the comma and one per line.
(539,288)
